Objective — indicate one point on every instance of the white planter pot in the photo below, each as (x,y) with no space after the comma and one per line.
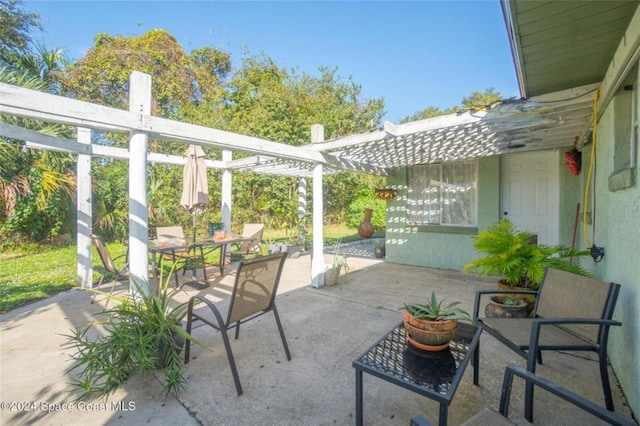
(331,275)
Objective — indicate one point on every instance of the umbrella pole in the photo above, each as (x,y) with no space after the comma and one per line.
(194,228)
(193,270)
(194,279)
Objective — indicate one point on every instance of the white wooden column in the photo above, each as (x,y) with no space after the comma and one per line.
(84,212)
(226,191)
(317,253)
(139,102)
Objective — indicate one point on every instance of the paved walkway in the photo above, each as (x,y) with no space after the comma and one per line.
(326,329)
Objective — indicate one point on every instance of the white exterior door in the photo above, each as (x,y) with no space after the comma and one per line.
(530,193)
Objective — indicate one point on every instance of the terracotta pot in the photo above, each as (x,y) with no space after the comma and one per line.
(430,335)
(496,309)
(529,298)
(365,229)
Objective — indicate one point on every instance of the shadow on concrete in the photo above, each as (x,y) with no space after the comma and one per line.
(326,328)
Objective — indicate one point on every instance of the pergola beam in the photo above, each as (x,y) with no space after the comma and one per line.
(21,102)
(37,140)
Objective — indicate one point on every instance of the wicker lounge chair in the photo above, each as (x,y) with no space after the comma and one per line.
(109,265)
(489,416)
(572,313)
(253,294)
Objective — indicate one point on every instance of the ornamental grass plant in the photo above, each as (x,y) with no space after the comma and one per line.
(141,333)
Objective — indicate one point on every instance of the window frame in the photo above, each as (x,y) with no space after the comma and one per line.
(625,148)
(411,218)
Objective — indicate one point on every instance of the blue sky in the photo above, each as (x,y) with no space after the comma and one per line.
(414,54)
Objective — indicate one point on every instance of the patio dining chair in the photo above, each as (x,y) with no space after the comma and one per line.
(251,241)
(489,416)
(572,313)
(254,292)
(109,265)
(187,258)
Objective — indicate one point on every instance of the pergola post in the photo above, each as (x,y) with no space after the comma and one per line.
(84,212)
(317,253)
(227,155)
(140,103)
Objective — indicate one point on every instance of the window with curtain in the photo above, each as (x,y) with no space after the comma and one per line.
(443,194)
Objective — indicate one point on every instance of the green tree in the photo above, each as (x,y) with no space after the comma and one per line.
(36,187)
(258,98)
(269,102)
(480,100)
(16,25)
(477,100)
(102,75)
(186,87)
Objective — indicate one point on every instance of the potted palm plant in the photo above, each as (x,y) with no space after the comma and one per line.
(514,256)
(141,332)
(431,326)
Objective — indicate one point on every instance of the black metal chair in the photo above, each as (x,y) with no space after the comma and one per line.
(109,266)
(253,295)
(489,416)
(572,313)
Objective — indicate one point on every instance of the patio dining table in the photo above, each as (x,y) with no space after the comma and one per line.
(204,247)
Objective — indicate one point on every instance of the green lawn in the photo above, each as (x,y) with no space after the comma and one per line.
(36,275)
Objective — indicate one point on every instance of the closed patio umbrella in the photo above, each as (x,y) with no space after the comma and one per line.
(195,191)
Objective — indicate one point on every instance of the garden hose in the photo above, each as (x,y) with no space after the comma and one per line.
(594,250)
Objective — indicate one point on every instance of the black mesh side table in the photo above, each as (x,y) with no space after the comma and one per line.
(435,375)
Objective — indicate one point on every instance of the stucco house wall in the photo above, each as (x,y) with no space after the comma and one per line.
(617,229)
(441,247)
(617,224)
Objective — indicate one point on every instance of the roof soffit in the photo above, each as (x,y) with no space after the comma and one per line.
(563,44)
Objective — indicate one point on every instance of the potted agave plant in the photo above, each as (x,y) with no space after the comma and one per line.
(432,325)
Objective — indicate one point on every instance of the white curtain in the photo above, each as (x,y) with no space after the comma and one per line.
(443,194)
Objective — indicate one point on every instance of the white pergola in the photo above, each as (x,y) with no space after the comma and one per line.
(556,120)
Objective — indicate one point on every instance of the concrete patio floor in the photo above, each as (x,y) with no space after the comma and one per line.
(326,330)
